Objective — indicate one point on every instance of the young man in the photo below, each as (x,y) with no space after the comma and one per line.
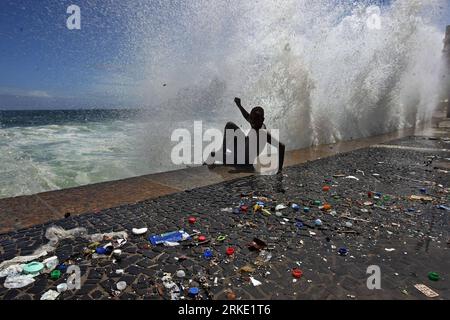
(256,120)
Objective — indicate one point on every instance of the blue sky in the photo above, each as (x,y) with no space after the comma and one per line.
(43,64)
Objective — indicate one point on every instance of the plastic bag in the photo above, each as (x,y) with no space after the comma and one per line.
(18,281)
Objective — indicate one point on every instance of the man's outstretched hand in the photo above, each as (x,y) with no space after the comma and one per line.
(237,101)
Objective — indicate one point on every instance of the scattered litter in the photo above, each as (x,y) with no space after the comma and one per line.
(352,177)
(231,295)
(62,287)
(230,251)
(256,245)
(140,231)
(421,198)
(389,249)
(192,220)
(297,273)
(50,295)
(121,285)
(55,274)
(426,291)
(33,268)
(169,237)
(318,222)
(433,276)
(247,268)
(18,281)
(280,207)
(255,282)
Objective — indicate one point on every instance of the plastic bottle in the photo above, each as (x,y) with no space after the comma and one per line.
(174,236)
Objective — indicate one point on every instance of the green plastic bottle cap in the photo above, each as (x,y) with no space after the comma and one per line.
(433,276)
(317,202)
(55,274)
(33,267)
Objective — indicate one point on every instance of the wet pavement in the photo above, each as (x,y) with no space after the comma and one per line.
(370,214)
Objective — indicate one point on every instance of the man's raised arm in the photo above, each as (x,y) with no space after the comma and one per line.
(244,112)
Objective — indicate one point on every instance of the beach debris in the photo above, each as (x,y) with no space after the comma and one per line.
(139,231)
(230,251)
(33,268)
(297,273)
(318,222)
(18,281)
(421,198)
(256,245)
(389,249)
(343,251)
(55,274)
(352,177)
(247,268)
(426,291)
(121,285)
(62,287)
(295,206)
(433,276)
(207,254)
(255,282)
(174,236)
(50,295)
(231,295)
(443,207)
(280,207)
(193,292)
(51,263)
(181,273)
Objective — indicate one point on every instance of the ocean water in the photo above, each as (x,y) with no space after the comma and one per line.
(49,150)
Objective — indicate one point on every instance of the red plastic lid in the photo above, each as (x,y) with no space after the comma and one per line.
(201,238)
(230,251)
(297,273)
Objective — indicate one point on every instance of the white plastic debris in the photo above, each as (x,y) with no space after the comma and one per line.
(12,270)
(278,214)
(229,210)
(389,249)
(51,263)
(50,295)
(119,271)
(426,291)
(348,224)
(139,231)
(280,207)
(121,285)
(181,274)
(352,177)
(18,281)
(170,244)
(61,287)
(255,282)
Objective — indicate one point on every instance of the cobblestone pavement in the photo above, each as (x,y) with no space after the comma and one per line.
(417,230)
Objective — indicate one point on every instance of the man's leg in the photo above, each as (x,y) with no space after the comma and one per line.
(234,127)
